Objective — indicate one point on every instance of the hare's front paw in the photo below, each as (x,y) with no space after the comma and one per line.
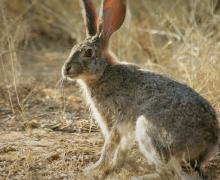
(147,177)
(96,171)
(94,167)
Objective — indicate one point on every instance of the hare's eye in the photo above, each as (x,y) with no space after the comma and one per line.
(88,53)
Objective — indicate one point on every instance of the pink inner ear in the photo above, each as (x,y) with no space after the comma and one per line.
(113,16)
(108,3)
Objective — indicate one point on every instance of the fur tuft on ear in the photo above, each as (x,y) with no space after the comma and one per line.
(90,17)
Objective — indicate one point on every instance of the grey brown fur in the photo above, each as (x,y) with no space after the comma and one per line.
(165,117)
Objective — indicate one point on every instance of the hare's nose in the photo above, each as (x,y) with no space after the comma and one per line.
(68,68)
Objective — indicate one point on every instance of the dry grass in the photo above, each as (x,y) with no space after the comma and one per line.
(46,131)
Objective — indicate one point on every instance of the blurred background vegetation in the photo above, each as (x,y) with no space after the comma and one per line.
(179,38)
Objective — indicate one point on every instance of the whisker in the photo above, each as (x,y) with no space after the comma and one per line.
(60,87)
(64,97)
(59,83)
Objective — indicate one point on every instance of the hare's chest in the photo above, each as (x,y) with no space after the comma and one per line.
(106,110)
(114,107)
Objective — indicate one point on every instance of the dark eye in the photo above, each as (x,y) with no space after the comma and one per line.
(88,53)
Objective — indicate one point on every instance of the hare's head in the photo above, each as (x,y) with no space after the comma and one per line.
(89,58)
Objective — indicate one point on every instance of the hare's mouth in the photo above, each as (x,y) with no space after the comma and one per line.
(70,77)
(69,73)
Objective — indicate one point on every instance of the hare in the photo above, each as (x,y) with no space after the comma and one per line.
(164,117)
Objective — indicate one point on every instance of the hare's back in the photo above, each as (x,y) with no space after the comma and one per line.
(153,94)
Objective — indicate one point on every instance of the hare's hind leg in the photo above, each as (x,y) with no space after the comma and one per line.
(145,143)
(147,148)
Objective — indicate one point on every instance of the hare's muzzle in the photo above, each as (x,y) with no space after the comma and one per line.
(71,70)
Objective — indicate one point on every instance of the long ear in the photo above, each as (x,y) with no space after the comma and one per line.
(90,17)
(112,17)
